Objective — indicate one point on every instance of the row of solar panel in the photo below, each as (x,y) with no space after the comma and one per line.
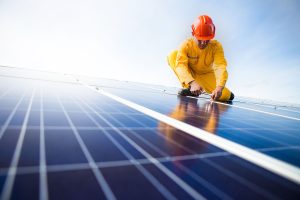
(124,146)
(256,133)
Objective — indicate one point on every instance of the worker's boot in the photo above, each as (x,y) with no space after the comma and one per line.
(186,92)
(231,96)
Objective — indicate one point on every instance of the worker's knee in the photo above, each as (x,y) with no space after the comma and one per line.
(226,95)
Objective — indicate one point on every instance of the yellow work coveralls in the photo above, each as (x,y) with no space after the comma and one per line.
(206,66)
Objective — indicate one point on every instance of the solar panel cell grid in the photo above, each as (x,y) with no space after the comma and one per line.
(64,141)
(26,186)
(101,147)
(75,184)
(7,146)
(30,149)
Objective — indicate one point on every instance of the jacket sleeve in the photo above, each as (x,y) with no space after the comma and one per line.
(181,66)
(220,65)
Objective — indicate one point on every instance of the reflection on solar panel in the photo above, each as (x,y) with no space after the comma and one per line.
(66,137)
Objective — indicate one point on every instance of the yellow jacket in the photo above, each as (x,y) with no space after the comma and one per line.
(193,60)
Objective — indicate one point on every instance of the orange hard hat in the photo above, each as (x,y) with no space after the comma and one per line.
(203,28)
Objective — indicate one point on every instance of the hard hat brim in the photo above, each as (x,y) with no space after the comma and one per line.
(204,37)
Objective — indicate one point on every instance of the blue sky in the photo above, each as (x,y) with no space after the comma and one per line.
(130,39)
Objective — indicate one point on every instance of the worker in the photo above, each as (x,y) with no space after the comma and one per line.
(200,64)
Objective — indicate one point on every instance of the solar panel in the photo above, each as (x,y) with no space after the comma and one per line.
(74,137)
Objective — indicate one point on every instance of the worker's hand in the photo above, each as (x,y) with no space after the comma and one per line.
(217,93)
(195,89)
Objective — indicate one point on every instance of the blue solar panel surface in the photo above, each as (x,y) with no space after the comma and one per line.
(61,140)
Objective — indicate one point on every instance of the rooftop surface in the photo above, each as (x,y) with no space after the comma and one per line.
(73,137)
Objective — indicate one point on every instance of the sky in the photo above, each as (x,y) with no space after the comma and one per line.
(130,40)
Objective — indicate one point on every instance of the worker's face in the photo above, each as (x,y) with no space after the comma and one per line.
(202,44)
